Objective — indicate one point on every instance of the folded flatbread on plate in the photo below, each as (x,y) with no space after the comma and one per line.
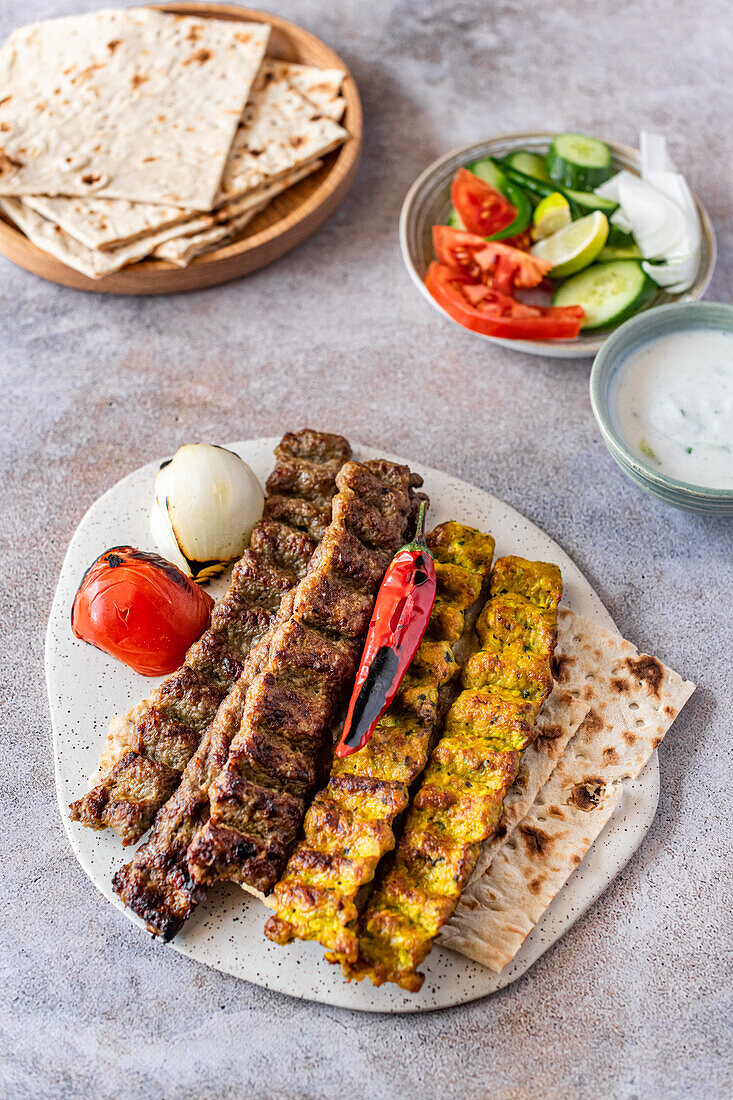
(135,104)
(633,699)
(280,132)
(90,262)
(178,244)
(229,220)
(320,86)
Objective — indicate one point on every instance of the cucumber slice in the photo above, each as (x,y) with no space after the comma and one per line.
(536,188)
(609,293)
(578,162)
(581,202)
(532,164)
(454,219)
(619,246)
(619,252)
(586,200)
(488,170)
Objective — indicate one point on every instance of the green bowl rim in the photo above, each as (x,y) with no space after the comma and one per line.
(602,415)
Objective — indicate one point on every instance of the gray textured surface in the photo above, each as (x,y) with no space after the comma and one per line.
(633,1002)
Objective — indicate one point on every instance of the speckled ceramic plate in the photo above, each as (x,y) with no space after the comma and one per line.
(87,688)
(427,203)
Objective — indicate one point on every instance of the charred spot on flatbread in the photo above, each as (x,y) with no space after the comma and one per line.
(619,686)
(586,796)
(202,56)
(535,840)
(85,74)
(561,665)
(592,724)
(610,756)
(114,44)
(550,732)
(7,162)
(137,80)
(648,670)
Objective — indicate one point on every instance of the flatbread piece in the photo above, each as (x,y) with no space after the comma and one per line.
(134,104)
(90,262)
(633,700)
(230,220)
(279,113)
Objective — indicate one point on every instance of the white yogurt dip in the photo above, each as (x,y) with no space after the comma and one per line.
(672,403)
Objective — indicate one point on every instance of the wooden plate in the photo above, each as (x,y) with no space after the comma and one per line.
(284,224)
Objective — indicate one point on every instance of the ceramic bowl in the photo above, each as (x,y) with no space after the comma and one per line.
(428,203)
(642,329)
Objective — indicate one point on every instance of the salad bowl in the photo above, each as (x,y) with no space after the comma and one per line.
(428,203)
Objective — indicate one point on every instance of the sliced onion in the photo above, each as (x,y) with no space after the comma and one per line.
(659,210)
(674,275)
(207,500)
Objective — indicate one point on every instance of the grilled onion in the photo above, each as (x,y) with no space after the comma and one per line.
(207,500)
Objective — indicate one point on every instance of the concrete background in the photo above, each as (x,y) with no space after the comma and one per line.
(635,1001)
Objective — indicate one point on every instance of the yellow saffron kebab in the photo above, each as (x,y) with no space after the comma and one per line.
(459,803)
(349,826)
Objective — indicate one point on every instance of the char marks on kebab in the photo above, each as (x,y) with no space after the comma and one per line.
(258,800)
(156,883)
(149,749)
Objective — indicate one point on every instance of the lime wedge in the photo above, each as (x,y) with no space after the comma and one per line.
(551,214)
(574,247)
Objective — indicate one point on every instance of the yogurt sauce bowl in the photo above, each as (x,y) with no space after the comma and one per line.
(661,389)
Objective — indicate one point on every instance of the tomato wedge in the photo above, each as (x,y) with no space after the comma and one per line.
(506,267)
(141,609)
(457,249)
(481,208)
(496,263)
(486,310)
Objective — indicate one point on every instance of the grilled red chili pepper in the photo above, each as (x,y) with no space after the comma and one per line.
(401,615)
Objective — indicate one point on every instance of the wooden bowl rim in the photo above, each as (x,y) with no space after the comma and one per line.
(343,164)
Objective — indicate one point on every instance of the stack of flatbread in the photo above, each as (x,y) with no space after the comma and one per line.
(609,710)
(137,133)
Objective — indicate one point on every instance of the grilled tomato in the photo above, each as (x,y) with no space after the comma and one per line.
(141,609)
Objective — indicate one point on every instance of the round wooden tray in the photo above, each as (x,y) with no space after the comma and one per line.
(284,224)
